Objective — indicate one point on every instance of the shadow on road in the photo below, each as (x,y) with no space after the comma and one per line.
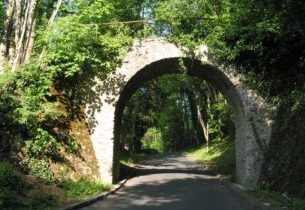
(166,163)
(174,191)
(170,182)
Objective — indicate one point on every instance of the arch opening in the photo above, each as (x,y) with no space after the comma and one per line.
(195,68)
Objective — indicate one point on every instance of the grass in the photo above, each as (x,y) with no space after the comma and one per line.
(83,188)
(66,192)
(38,200)
(130,159)
(279,200)
(24,192)
(219,158)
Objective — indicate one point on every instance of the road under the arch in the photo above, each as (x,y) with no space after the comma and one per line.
(172,182)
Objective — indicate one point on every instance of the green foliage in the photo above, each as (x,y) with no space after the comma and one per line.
(129,159)
(33,87)
(38,201)
(11,186)
(2,14)
(279,200)
(43,145)
(28,110)
(83,187)
(264,39)
(154,106)
(221,124)
(219,157)
(79,48)
(10,130)
(152,141)
(75,47)
(9,177)
(159,115)
(14,192)
(39,168)
(140,114)
(285,156)
(171,125)
(7,198)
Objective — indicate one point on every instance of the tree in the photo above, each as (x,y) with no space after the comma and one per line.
(40,97)
(183,111)
(264,41)
(19,31)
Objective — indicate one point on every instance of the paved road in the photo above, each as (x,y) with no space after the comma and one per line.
(175,183)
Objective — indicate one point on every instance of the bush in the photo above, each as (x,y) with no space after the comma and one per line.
(152,141)
(279,200)
(38,201)
(283,168)
(43,145)
(220,157)
(40,169)
(11,185)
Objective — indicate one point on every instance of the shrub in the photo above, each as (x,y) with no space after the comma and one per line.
(38,201)
(40,169)
(11,185)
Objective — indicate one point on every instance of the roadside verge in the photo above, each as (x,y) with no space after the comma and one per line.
(247,198)
(95,198)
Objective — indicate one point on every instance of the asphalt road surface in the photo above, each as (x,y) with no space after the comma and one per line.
(171,182)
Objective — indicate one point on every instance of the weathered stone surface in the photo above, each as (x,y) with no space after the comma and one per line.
(148,59)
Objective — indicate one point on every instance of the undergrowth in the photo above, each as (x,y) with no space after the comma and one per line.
(219,157)
(283,167)
(279,200)
(21,192)
(130,159)
(16,193)
(83,188)
(11,185)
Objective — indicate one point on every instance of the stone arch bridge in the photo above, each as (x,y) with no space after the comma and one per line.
(148,59)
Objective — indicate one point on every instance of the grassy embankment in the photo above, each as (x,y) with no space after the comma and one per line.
(220,159)
(279,200)
(23,192)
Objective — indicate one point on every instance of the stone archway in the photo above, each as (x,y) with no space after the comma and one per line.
(149,59)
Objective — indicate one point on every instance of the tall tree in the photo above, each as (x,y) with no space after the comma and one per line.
(6,32)
(19,30)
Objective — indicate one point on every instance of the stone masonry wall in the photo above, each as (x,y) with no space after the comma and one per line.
(148,59)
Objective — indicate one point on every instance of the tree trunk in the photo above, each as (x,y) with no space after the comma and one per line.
(54,14)
(19,47)
(200,119)
(18,24)
(187,139)
(204,125)
(31,32)
(7,25)
(198,129)
(50,23)
(212,94)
